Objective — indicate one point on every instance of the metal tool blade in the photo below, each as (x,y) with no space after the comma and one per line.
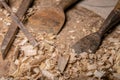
(13,29)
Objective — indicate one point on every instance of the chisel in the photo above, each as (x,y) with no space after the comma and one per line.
(13,29)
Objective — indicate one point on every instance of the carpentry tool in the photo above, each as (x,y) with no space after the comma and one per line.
(51,18)
(91,43)
(13,28)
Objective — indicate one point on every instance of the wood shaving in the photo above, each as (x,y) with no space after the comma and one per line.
(62,62)
(98,74)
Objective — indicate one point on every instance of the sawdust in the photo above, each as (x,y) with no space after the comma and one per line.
(55,60)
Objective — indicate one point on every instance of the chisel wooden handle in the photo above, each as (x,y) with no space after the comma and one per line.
(64,4)
(111,21)
(13,29)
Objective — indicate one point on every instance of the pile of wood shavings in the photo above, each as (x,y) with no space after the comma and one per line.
(50,62)
(47,62)
(32,63)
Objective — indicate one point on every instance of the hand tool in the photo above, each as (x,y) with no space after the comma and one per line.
(51,18)
(13,28)
(91,42)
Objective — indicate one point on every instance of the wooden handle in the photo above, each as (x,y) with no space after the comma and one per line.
(64,4)
(112,20)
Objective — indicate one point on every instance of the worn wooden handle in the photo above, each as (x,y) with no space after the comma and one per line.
(112,19)
(64,4)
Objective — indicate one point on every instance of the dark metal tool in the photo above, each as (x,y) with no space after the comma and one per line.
(51,18)
(91,42)
(13,29)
